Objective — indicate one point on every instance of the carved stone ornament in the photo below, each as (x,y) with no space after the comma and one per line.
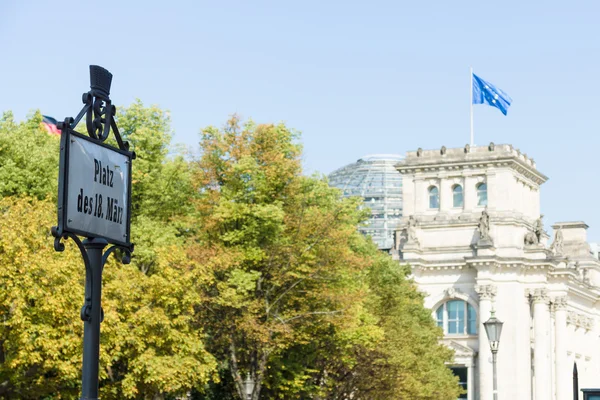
(530,239)
(580,320)
(484,226)
(540,295)
(560,303)
(411,230)
(452,292)
(538,228)
(534,236)
(572,318)
(486,292)
(557,244)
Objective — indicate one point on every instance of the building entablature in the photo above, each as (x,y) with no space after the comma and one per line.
(490,263)
(580,320)
(470,219)
(438,265)
(532,179)
(574,285)
(457,159)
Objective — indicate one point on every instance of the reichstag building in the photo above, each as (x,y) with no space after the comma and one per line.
(468,222)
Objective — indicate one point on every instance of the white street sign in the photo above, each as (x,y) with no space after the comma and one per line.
(97,190)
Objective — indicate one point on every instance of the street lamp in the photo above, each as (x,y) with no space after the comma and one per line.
(249,387)
(493,329)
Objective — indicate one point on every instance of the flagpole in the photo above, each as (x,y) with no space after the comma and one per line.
(471,76)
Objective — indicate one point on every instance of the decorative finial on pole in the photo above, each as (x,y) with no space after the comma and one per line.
(100,80)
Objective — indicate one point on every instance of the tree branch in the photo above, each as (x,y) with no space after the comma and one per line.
(314,313)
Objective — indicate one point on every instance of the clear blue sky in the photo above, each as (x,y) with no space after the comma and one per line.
(354,77)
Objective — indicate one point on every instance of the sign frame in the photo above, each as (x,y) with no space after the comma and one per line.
(63,188)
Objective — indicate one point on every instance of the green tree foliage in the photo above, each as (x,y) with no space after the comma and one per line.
(40,296)
(299,301)
(407,362)
(151,345)
(28,158)
(163,185)
(243,265)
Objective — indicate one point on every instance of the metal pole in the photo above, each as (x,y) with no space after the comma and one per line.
(495,376)
(472,139)
(92,316)
(575,382)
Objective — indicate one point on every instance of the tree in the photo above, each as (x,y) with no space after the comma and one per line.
(243,265)
(154,347)
(40,296)
(408,360)
(28,158)
(292,302)
(151,345)
(405,360)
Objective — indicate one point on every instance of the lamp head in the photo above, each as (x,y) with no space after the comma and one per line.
(493,329)
(249,386)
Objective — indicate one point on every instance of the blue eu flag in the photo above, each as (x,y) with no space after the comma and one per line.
(485,92)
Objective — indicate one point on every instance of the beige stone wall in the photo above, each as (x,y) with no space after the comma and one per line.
(548,298)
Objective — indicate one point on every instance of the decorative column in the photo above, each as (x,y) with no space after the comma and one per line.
(542,348)
(563,369)
(470,382)
(486,295)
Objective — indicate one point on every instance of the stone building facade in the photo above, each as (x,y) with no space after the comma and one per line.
(474,237)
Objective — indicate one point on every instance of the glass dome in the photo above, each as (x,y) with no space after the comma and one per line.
(376,180)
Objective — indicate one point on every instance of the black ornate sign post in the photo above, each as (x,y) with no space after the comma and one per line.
(94,193)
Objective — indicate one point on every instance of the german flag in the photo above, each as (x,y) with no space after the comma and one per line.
(49,124)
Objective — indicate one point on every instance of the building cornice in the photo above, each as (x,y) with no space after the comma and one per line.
(448,160)
(469,219)
(580,320)
(479,262)
(532,175)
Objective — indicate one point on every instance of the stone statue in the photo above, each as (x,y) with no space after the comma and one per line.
(484,226)
(535,235)
(557,245)
(411,230)
(531,239)
(538,228)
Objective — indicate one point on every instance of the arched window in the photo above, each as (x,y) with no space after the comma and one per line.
(457,317)
(482,194)
(457,196)
(434,197)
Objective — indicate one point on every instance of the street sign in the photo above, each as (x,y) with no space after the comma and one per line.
(95,184)
(94,193)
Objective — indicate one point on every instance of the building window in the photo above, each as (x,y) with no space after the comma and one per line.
(482,194)
(462,374)
(434,197)
(457,317)
(457,196)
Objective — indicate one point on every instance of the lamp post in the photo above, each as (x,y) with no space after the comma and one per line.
(493,329)
(249,387)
